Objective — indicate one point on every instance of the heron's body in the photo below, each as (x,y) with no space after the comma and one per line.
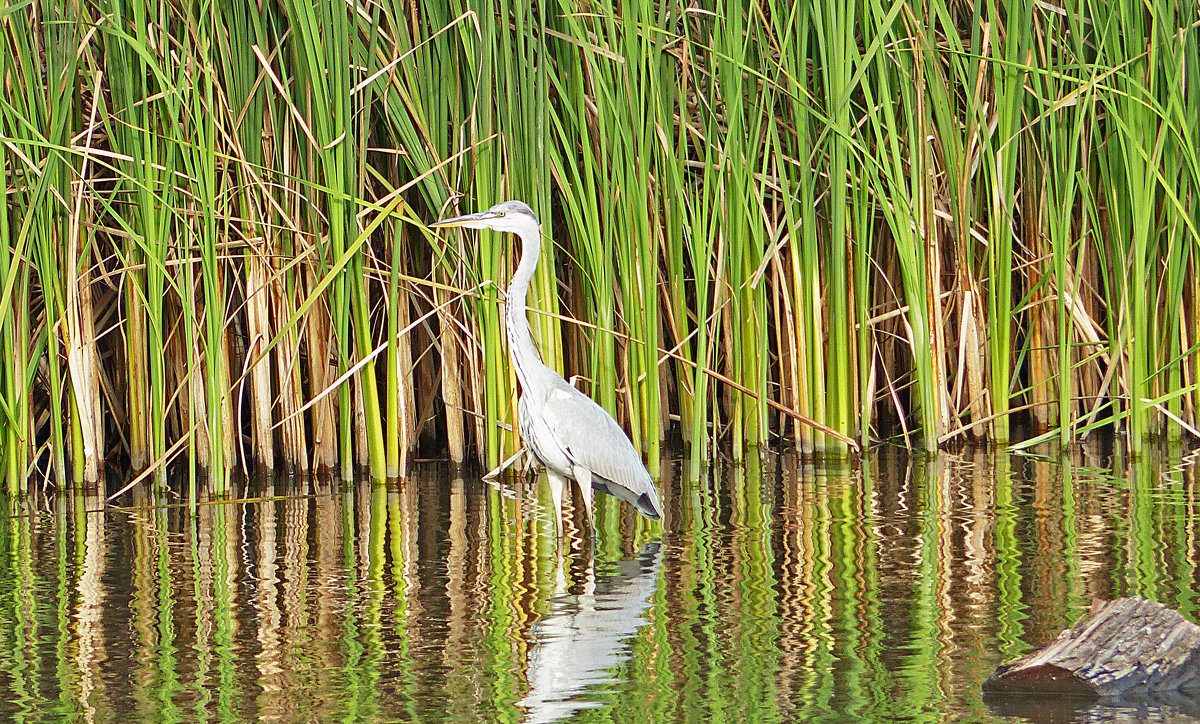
(568,432)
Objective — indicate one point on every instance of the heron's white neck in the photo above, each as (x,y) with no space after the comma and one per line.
(524,355)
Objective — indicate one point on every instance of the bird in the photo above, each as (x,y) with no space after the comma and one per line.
(569,434)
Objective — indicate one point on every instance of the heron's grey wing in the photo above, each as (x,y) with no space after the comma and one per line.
(591,438)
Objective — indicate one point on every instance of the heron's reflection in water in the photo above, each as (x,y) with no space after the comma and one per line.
(585,636)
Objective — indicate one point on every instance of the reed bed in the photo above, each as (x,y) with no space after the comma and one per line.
(829,224)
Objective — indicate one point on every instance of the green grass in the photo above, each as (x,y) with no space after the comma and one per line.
(826,224)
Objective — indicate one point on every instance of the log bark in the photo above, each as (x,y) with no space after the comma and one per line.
(1130,646)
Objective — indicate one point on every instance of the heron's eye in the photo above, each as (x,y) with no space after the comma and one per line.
(500,214)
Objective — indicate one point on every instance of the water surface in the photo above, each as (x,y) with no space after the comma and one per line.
(774,591)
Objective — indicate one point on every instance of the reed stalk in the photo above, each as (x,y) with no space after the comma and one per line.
(828,224)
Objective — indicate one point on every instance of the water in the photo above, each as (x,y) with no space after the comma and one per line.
(774,592)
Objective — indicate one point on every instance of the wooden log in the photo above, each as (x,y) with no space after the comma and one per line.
(1128,647)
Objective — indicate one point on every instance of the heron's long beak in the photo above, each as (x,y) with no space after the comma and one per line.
(470,221)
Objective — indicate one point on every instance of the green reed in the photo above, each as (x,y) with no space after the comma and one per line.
(826,224)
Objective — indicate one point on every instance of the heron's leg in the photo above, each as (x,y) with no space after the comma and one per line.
(583,477)
(557,483)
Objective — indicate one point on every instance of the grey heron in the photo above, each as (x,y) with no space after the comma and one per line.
(572,436)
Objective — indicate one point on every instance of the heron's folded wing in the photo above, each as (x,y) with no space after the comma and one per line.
(591,438)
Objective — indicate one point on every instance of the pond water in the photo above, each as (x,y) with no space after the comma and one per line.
(773,591)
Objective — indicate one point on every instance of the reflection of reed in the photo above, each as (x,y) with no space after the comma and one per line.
(201,554)
(457,652)
(146,521)
(792,569)
(398,685)
(979,507)
(322,652)
(89,611)
(787,592)
(972,572)
(269,659)
(375,593)
(1053,538)
(942,512)
(19,604)
(1187,547)
(216,593)
(403,530)
(512,596)
(293,574)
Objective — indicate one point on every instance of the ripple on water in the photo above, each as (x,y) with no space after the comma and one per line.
(777,591)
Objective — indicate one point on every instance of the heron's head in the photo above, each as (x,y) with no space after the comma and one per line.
(512,216)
